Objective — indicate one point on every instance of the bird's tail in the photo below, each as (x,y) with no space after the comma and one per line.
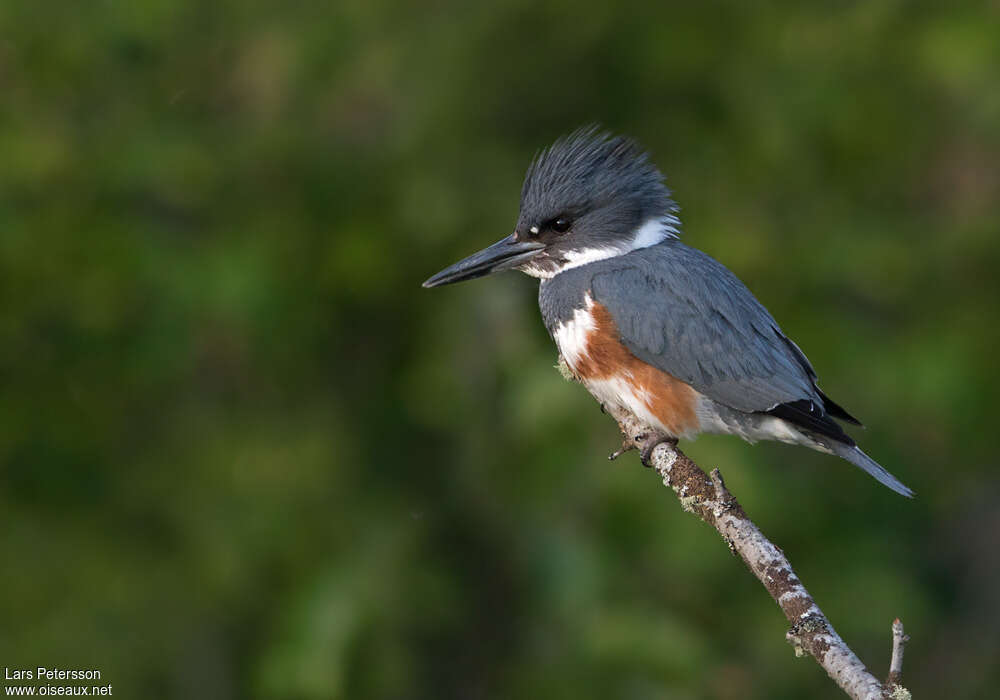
(854,455)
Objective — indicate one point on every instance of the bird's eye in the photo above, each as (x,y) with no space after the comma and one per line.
(560,225)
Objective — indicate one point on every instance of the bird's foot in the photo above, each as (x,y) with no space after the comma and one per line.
(627,445)
(645,443)
(649,443)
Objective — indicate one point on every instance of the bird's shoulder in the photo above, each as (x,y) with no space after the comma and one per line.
(685,313)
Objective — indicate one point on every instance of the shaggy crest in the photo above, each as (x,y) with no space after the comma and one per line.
(589,169)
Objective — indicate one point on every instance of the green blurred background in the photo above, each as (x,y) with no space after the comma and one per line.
(245,455)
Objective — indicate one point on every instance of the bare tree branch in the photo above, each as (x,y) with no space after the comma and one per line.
(893,684)
(811,632)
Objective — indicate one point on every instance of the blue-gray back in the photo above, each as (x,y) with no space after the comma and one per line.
(683,312)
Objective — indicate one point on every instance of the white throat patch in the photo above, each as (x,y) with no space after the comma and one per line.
(653,231)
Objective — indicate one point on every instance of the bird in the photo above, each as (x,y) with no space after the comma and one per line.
(649,325)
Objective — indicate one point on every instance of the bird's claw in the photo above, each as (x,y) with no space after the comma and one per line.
(649,443)
(626,446)
(645,443)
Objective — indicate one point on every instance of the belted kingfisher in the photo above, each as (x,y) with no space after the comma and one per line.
(648,324)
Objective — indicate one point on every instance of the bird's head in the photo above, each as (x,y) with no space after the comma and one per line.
(589,196)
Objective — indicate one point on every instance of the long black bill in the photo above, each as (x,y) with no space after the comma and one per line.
(502,255)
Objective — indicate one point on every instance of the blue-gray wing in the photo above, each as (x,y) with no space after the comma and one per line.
(686,314)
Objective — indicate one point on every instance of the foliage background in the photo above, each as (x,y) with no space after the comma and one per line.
(244,455)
